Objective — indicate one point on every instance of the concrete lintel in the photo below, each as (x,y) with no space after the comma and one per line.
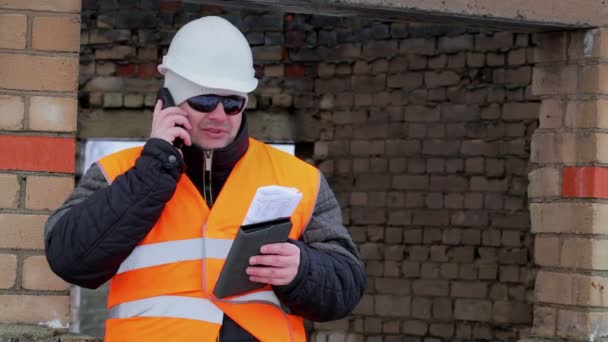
(533,15)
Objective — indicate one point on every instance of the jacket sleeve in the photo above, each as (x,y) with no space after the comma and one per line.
(98,226)
(330,280)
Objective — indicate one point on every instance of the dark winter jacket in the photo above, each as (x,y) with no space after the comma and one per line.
(99,225)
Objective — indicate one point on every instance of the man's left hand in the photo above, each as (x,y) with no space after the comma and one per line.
(277,265)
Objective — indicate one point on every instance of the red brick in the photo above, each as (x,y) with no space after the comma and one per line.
(170,5)
(37,275)
(40,310)
(37,153)
(21,231)
(126,69)
(147,70)
(294,70)
(586,181)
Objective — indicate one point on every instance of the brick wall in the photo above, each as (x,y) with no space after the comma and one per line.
(568,188)
(425,135)
(39,44)
(422,130)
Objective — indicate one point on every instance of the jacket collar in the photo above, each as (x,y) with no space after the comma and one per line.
(224,159)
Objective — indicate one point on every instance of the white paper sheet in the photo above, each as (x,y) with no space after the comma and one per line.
(271,202)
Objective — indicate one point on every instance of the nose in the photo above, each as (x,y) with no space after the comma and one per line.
(218,113)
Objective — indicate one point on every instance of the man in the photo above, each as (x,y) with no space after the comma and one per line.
(158,221)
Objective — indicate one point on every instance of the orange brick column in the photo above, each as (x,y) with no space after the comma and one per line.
(569,186)
(39,44)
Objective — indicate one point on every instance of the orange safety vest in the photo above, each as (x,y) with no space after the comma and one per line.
(164,290)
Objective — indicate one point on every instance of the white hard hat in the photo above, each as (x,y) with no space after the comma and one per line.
(211,53)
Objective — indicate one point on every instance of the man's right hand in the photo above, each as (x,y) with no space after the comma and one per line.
(170,123)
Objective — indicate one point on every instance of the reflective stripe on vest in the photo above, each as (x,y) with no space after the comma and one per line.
(169,306)
(174,251)
(187,307)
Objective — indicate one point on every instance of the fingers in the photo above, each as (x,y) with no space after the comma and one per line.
(170,123)
(277,266)
(283,248)
(269,275)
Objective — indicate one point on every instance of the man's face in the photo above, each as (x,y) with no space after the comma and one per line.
(214,129)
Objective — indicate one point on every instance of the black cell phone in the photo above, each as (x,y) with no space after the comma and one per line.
(165,95)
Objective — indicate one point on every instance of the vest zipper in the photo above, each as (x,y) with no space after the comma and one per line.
(207,191)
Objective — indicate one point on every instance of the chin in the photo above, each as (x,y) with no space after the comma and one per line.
(210,145)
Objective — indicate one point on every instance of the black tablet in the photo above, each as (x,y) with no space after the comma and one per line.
(250,238)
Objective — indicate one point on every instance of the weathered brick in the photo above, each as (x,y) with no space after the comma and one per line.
(587,323)
(9,197)
(415,327)
(520,111)
(429,271)
(437,62)
(44,73)
(422,46)
(512,312)
(50,310)
(554,79)
(444,330)
(456,43)
(469,219)
(8,270)
(473,310)
(72,6)
(500,41)
(517,57)
(545,319)
(587,44)
(509,274)
(460,289)
(56,114)
(573,218)
(586,114)
(441,79)
(405,81)
(554,41)
(421,308)
(12,116)
(21,231)
(392,306)
(43,192)
(13,31)
(116,52)
(495,59)
(57,33)
(584,253)
(37,275)
(386,48)
(392,286)
(430,287)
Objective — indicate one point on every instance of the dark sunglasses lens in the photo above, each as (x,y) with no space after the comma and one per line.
(204,103)
(233,105)
(207,103)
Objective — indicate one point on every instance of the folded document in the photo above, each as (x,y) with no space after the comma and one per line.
(271,202)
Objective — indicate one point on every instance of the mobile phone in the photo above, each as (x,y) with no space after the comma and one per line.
(165,95)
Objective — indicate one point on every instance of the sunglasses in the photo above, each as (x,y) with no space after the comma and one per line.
(233,104)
